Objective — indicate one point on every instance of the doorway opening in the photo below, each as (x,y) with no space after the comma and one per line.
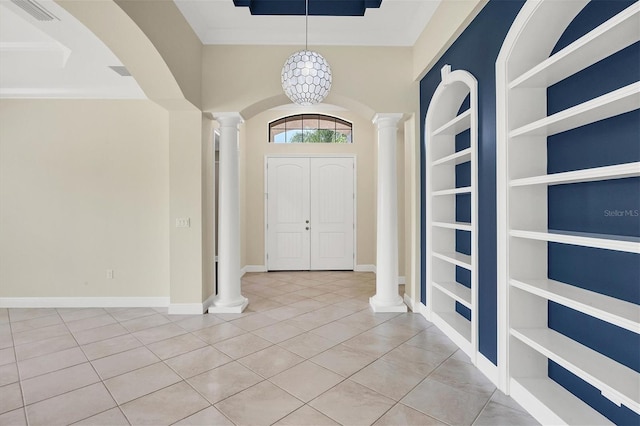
(310,213)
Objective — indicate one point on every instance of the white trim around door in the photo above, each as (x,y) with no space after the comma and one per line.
(321,227)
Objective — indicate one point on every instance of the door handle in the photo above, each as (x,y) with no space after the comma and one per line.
(307,228)
(306,221)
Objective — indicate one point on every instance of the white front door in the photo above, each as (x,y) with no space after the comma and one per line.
(310,213)
(288,239)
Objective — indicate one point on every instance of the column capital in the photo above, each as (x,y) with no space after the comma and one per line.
(387,119)
(228,119)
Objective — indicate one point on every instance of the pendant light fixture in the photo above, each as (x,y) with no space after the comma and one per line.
(306,75)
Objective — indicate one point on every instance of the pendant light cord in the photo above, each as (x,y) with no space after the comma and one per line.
(306,25)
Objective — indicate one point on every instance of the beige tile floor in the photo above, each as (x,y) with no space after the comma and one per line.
(307,351)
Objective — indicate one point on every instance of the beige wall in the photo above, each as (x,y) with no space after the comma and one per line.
(84,187)
(163,23)
(209,216)
(131,45)
(411,192)
(257,146)
(108,195)
(373,79)
(366,80)
(185,201)
(447,23)
(401,200)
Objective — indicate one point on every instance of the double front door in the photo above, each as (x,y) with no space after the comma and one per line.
(310,213)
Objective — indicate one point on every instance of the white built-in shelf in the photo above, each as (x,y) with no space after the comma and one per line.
(460,226)
(442,292)
(613,35)
(452,191)
(459,157)
(618,171)
(617,382)
(614,311)
(457,322)
(554,403)
(611,104)
(454,257)
(455,290)
(457,125)
(585,239)
(523,268)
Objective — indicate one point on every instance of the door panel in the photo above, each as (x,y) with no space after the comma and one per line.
(287,213)
(310,214)
(332,212)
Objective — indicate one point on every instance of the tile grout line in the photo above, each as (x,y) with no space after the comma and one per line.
(377,359)
(188,332)
(24,406)
(483,408)
(99,377)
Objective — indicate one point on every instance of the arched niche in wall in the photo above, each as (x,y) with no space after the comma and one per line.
(451,141)
(567,127)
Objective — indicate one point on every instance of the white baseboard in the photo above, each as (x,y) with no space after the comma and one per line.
(83,302)
(365,268)
(372,268)
(409,302)
(191,308)
(254,268)
(422,310)
(488,369)
(483,364)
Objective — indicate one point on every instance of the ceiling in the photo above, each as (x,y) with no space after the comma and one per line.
(394,23)
(310,7)
(56,58)
(60,58)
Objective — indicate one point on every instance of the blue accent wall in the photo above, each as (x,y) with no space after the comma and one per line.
(476,51)
(610,207)
(316,7)
(609,74)
(583,147)
(589,18)
(608,272)
(592,396)
(603,207)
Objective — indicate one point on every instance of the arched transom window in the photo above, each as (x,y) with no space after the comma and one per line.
(310,128)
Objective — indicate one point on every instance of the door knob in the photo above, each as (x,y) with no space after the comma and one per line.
(307,228)
(306,221)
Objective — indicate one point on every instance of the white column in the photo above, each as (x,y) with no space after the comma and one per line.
(229,298)
(387,298)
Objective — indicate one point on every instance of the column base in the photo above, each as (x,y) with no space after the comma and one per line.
(395,306)
(236,308)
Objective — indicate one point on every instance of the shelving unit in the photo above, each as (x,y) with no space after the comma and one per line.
(619,171)
(452,191)
(455,291)
(614,311)
(614,103)
(446,297)
(607,242)
(461,226)
(612,36)
(528,342)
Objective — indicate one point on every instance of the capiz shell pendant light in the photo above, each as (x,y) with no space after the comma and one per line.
(306,75)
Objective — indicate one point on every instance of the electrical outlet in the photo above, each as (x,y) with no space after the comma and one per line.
(110,274)
(183,222)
